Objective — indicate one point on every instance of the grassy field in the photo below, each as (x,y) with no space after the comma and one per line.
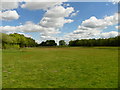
(73,67)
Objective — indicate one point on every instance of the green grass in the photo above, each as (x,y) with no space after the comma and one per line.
(70,67)
(0,68)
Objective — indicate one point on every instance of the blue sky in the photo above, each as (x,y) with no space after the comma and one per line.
(83,11)
(87,9)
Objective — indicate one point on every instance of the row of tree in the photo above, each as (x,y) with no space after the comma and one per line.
(19,41)
(52,43)
(16,41)
(85,42)
(96,42)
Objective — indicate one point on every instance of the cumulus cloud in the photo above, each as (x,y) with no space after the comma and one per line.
(7,5)
(7,12)
(38,5)
(55,18)
(41,4)
(93,22)
(109,34)
(9,15)
(93,28)
(82,34)
(89,34)
(27,27)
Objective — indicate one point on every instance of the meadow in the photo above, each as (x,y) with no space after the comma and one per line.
(68,67)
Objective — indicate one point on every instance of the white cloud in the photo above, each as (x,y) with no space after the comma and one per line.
(109,34)
(43,0)
(55,18)
(89,34)
(7,12)
(82,34)
(41,4)
(74,14)
(115,1)
(8,28)
(47,38)
(9,15)
(93,22)
(59,11)
(29,27)
(7,5)
(93,28)
(117,27)
(68,21)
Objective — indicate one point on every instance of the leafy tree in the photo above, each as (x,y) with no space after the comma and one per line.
(62,43)
(17,40)
(48,43)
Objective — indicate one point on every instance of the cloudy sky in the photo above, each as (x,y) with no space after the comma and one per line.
(60,20)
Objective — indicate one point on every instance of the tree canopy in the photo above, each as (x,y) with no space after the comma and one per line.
(17,40)
(62,43)
(48,43)
(96,42)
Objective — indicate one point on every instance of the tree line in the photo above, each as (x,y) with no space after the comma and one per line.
(52,43)
(96,42)
(19,41)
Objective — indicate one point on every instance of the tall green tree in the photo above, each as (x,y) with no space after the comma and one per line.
(62,43)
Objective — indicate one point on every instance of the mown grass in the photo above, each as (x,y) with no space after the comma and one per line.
(0,68)
(70,67)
